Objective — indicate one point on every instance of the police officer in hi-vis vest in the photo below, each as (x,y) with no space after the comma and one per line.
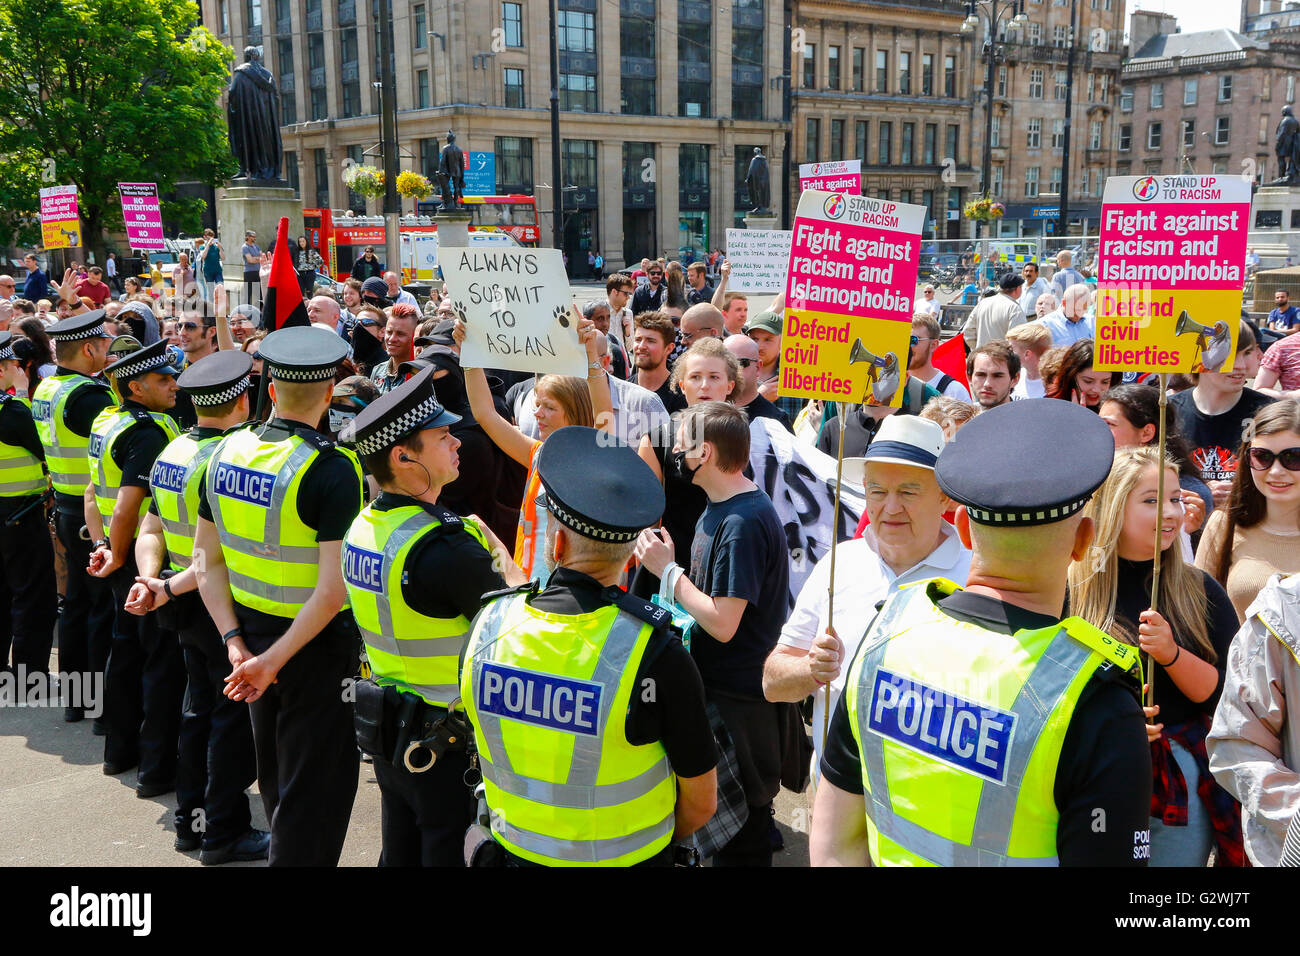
(216,761)
(415,574)
(28,595)
(978,728)
(276,502)
(145,679)
(63,406)
(588,712)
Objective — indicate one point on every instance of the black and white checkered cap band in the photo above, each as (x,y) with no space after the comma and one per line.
(95,331)
(397,428)
(227,394)
(585,527)
(131,369)
(290,374)
(7,353)
(1044,516)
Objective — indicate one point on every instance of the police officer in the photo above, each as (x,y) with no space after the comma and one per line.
(216,760)
(588,712)
(63,406)
(982,728)
(145,679)
(415,574)
(276,502)
(28,596)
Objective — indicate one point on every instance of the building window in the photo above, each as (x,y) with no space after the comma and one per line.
(1054,182)
(1125,137)
(638,96)
(291,172)
(1062,83)
(809,66)
(694,50)
(927,74)
(319,103)
(832,68)
(288,94)
(929,144)
(1222,130)
(996,187)
(1002,81)
(882,71)
(1034,133)
(1225,88)
(1189,133)
(860,140)
(1290,89)
(1035,84)
(1035,32)
(422,89)
(1094,134)
(1153,135)
(837,140)
(812,145)
(1126,99)
(1031,181)
(886,147)
(429,159)
(1189,92)
(858,55)
(351,87)
(420,26)
(577,32)
(693,167)
(1058,134)
(514,164)
(905,73)
(995,132)
(1060,36)
(512,23)
(1157,95)
(514,87)
(952,141)
(950,76)
(578,92)
(224,17)
(321,172)
(906,144)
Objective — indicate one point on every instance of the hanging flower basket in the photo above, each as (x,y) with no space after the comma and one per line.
(365,180)
(411,185)
(984,210)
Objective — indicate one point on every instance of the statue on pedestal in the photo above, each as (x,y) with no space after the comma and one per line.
(1287,148)
(451,173)
(759,183)
(253,118)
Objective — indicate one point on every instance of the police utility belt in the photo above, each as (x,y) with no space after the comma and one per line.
(405,729)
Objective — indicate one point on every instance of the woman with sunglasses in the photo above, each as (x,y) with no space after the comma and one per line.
(1258,534)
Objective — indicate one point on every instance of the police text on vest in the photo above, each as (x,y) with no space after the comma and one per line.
(561,703)
(232,481)
(974,738)
(363,569)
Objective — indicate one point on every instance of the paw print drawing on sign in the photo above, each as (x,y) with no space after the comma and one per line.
(458,311)
(562,316)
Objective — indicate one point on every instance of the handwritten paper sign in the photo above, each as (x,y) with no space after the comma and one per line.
(142,215)
(517,309)
(848,315)
(1171,271)
(758,259)
(60,224)
(842,176)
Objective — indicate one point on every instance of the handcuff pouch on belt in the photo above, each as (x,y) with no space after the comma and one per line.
(404,729)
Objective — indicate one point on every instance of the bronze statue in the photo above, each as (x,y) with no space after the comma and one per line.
(1287,149)
(759,184)
(253,116)
(451,173)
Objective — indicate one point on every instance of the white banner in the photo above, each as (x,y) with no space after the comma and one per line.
(517,309)
(758,259)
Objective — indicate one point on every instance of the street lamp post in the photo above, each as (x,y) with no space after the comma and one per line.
(1013,11)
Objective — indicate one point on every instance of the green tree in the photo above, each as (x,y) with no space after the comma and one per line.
(97,92)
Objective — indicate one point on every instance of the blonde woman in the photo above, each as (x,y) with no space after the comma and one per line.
(1186,641)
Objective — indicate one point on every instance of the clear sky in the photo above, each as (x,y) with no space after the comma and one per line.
(1193,15)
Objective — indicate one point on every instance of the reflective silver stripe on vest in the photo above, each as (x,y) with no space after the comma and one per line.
(488,622)
(585,851)
(582,798)
(32,485)
(259,588)
(102,488)
(185,524)
(59,452)
(1033,705)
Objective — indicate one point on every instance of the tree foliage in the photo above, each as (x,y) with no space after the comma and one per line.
(97,92)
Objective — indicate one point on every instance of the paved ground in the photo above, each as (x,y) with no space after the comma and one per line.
(58,809)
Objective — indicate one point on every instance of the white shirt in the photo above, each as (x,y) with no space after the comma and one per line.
(991,319)
(927,305)
(1065,332)
(637,411)
(1027,387)
(862,580)
(1029,294)
(110,268)
(405,298)
(954,389)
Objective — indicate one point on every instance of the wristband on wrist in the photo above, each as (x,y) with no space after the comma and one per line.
(100,543)
(235,631)
(1176,656)
(167,589)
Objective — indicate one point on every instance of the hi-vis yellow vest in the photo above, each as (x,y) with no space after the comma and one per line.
(21,473)
(414,653)
(272,558)
(175,485)
(109,426)
(548,695)
(960,729)
(65,450)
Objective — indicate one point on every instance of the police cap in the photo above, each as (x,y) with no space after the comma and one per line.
(87,325)
(217,378)
(150,358)
(1028,462)
(597,487)
(302,353)
(411,407)
(6,346)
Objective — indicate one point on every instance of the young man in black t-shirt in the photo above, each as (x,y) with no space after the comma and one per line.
(737,591)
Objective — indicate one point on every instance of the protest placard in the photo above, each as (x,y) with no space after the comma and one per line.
(1170,275)
(848,315)
(842,176)
(517,309)
(142,215)
(758,259)
(60,224)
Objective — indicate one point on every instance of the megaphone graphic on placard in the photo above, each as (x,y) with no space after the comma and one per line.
(883,374)
(1214,342)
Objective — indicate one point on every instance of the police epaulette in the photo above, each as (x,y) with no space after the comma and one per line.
(528,587)
(641,610)
(140,414)
(314,438)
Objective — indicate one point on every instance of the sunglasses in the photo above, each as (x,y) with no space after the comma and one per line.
(1261,459)
(746,362)
(654,273)
(189,326)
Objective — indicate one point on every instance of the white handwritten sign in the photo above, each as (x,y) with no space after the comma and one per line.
(758,258)
(517,309)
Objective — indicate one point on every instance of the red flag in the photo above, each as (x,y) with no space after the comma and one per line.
(951,358)
(283,304)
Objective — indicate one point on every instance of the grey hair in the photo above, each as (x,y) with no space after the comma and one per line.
(589,308)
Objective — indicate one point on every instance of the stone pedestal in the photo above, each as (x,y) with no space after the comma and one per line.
(259,208)
(1271,211)
(760,222)
(453,228)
